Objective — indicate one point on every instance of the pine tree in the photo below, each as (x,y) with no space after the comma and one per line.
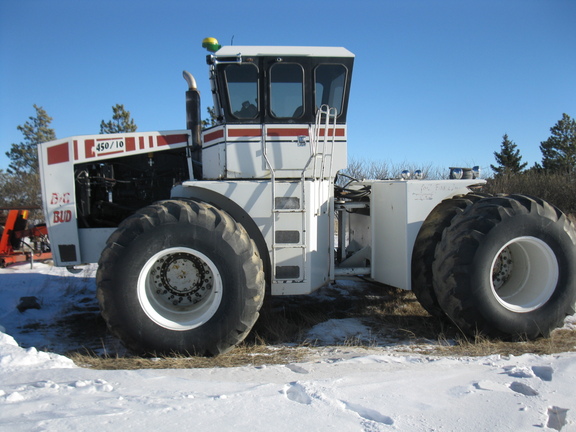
(211,120)
(20,185)
(559,151)
(24,156)
(508,158)
(121,122)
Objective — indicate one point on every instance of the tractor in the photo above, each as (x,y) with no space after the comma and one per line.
(192,229)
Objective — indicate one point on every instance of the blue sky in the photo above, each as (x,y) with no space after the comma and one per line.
(435,81)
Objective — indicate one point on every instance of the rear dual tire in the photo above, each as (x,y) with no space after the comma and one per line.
(505,267)
(428,237)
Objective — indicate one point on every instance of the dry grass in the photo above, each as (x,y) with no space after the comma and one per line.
(560,340)
(558,189)
(397,321)
(242,355)
(439,337)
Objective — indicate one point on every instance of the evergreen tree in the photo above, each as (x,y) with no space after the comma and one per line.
(559,151)
(212,119)
(20,184)
(24,156)
(508,158)
(21,190)
(121,122)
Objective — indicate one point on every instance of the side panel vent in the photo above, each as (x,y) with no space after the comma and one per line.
(67,253)
(287,237)
(287,272)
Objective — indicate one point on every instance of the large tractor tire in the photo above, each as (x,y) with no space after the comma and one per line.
(428,238)
(506,268)
(180,277)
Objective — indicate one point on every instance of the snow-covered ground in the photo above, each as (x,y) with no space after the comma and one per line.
(338,389)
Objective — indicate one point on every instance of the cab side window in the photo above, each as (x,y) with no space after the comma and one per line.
(243,97)
(329,86)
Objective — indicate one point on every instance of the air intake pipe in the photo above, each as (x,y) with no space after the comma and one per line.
(194,124)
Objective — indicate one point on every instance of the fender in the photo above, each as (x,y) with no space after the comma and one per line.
(234,210)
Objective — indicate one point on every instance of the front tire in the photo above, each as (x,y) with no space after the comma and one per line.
(506,268)
(180,277)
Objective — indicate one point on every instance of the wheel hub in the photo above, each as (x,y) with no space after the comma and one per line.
(503,268)
(181,279)
(179,288)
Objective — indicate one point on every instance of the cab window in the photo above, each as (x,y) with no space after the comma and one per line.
(330,82)
(286,90)
(242,80)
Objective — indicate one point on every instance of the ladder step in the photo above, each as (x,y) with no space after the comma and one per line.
(288,211)
(287,203)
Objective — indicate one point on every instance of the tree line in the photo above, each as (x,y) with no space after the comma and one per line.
(558,152)
(554,179)
(558,157)
(20,182)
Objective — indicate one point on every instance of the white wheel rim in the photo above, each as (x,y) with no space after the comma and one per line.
(524,274)
(179,288)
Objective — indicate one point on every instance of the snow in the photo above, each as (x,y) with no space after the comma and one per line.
(341,388)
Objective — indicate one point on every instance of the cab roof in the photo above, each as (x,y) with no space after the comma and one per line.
(297,51)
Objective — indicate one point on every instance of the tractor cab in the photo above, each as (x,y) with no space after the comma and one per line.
(278,85)
(275,102)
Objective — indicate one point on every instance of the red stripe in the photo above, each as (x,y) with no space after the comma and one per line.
(89,148)
(286,132)
(339,132)
(141,142)
(130,144)
(171,139)
(214,135)
(58,154)
(111,153)
(244,132)
(75,150)
(283,132)
(150,141)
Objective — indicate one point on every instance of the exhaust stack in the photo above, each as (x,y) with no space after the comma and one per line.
(194,124)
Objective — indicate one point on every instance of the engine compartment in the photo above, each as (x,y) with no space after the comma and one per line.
(109,191)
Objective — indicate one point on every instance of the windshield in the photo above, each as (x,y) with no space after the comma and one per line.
(286,90)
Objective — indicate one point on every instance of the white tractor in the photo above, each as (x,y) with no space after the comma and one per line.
(193,228)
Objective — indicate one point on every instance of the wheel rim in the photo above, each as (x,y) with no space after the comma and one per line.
(524,274)
(179,288)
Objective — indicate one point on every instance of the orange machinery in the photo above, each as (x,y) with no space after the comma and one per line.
(20,242)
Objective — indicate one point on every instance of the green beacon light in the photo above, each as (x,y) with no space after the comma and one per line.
(211,44)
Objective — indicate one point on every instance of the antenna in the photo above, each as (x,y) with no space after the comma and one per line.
(232,40)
